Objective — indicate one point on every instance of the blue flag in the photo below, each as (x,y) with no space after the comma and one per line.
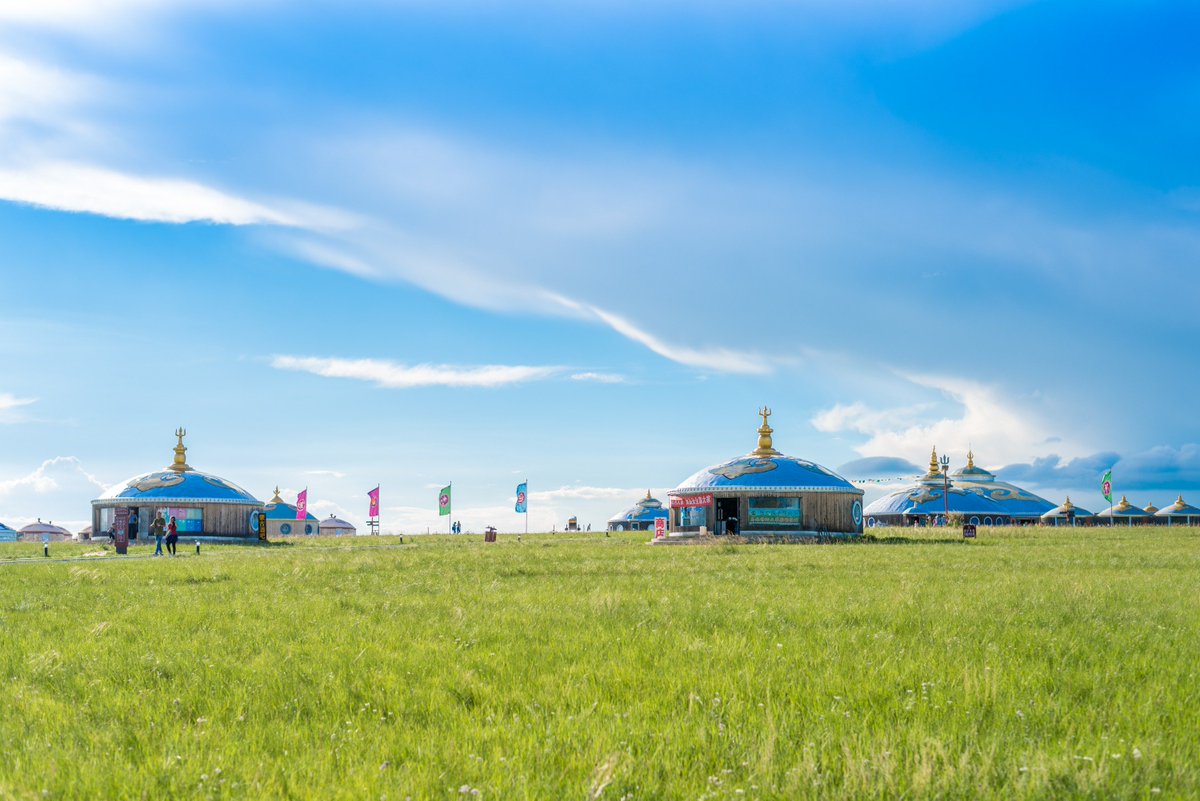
(522,497)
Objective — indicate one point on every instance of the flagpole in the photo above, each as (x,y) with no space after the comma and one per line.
(450,510)
(527,506)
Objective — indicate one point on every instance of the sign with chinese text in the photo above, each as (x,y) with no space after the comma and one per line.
(681,501)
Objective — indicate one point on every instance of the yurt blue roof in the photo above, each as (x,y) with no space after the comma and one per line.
(776,472)
(1017,502)
(1178,509)
(5,528)
(929,500)
(178,483)
(190,486)
(647,510)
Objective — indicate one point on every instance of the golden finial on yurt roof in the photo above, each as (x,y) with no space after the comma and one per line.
(765,446)
(648,495)
(180,465)
(1124,504)
(934,470)
(277,498)
(1068,504)
(971,459)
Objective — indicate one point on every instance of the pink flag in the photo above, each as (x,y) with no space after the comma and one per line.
(302,505)
(374,496)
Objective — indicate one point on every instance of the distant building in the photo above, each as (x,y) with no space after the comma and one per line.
(1179,513)
(8,534)
(1124,513)
(335,527)
(972,494)
(1068,515)
(282,522)
(39,531)
(639,517)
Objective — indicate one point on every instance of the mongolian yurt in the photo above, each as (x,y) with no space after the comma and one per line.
(39,532)
(1067,515)
(84,533)
(202,504)
(1179,513)
(927,501)
(1124,513)
(1017,505)
(282,520)
(640,516)
(766,495)
(335,527)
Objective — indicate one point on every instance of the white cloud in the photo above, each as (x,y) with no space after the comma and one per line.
(330,473)
(998,431)
(599,378)
(392,375)
(579,493)
(49,476)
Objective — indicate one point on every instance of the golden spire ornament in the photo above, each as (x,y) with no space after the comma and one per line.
(180,464)
(765,446)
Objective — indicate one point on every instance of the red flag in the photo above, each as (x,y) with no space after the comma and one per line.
(302,505)
(374,496)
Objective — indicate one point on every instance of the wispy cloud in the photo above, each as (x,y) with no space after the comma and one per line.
(330,473)
(599,378)
(10,405)
(392,375)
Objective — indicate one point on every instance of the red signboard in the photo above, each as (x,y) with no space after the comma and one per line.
(121,529)
(660,527)
(691,500)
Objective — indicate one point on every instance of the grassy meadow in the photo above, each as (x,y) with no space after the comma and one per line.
(1032,663)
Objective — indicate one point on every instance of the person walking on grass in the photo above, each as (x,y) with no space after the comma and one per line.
(156,528)
(172,536)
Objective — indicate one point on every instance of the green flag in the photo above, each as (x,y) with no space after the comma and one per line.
(1106,486)
(444,501)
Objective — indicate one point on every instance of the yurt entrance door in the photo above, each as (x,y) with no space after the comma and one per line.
(727,509)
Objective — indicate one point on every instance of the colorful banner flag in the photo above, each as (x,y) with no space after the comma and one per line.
(1106,486)
(374,496)
(302,504)
(444,501)
(522,497)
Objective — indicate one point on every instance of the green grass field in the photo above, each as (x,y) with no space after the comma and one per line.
(1029,664)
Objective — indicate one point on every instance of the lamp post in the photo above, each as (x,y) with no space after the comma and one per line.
(945,463)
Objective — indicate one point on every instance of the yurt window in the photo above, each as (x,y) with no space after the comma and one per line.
(773,513)
(693,517)
(188,520)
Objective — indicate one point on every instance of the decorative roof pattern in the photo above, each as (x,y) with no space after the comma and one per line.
(785,473)
(926,500)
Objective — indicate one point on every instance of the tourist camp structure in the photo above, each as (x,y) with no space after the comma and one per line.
(766,495)
(1124,513)
(42,532)
(336,527)
(202,504)
(1068,515)
(640,516)
(1179,513)
(282,521)
(971,494)
(8,534)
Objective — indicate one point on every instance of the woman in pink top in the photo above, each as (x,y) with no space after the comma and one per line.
(172,536)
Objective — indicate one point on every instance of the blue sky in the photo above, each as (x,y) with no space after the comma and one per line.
(419,242)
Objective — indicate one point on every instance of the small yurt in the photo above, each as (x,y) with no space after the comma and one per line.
(1151,515)
(282,521)
(85,533)
(639,517)
(1124,513)
(1067,515)
(8,534)
(1179,513)
(335,527)
(39,531)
